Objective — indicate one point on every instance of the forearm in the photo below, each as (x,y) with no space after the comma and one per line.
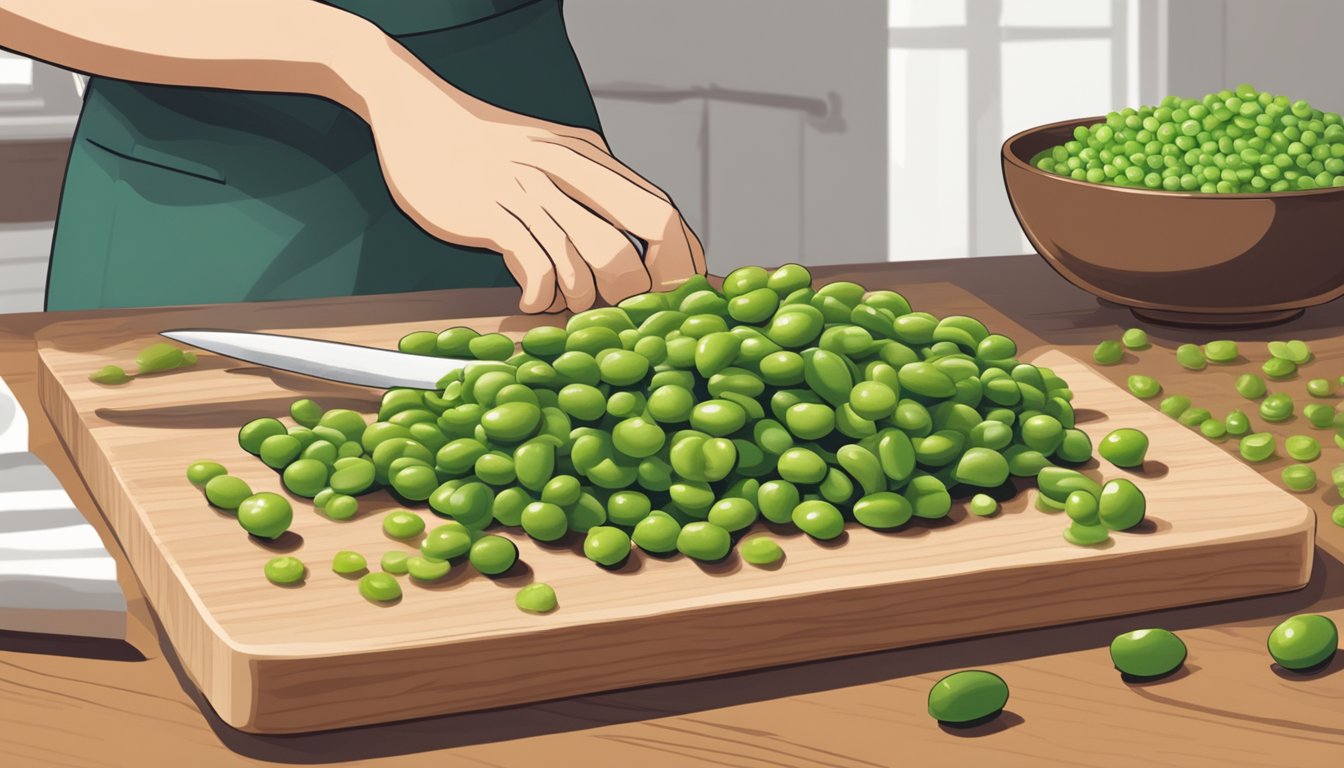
(290,46)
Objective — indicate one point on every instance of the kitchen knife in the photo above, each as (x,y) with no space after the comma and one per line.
(346,363)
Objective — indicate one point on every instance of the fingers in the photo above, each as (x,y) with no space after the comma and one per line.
(627,204)
(616,268)
(527,261)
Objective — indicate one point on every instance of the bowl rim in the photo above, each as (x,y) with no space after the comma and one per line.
(1009,156)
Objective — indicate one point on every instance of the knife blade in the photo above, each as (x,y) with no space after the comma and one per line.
(330,360)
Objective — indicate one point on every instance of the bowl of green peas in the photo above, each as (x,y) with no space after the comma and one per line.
(1219,211)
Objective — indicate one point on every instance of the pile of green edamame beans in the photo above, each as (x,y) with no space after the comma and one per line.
(675,421)
(1243,140)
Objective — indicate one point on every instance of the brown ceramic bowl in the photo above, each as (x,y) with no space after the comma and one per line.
(1178,257)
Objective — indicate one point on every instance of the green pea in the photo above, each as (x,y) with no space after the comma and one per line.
(1296,352)
(453,342)
(1278,368)
(627,508)
(926,380)
(158,357)
(1276,407)
(1302,448)
(983,505)
(253,433)
(202,472)
(491,346)
(544,521)
(718,417)
(810,421)
(1147,653)
(782,369)
(872,400)
(419,343)
(1144,387)
(511,421)
(732,514)
(1190,356)
(1213,428)
(226,491)
(544,341)
(582,401)
(348,423)
(882,510)
(1108,352)
(1250,386)
(379,587)
(427,569)
(982,467)
(819,519)
(606,545)
(704,541)
(403,524)
(1321,416)
(1221,351)
(638,438)
(754,306)
(1257,446)
(1337,516)
(447,541)
(800,465)
(395,562)
(1174,405)
(1320,388)
(1085,535)
(1299,477)
(795,326)
(967,696)
(305,477)
(1303,642)
(346,562)
(760,550)
(1042,433)
(1135,338)
(1124,447)
(1082,508)
(789,278)
(1236,423)
(1058,482)
(265,515)
(536,598)
(492,555)
(284,570)
(341,507)
(1121,505)
(1076,447)
(109,374)
(1193,417)
(657,533)
(928,497)
(776,500)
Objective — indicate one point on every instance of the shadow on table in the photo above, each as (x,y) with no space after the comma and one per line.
(104,649)
(1325,591)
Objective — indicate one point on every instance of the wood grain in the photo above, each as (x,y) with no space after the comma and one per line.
(283,660)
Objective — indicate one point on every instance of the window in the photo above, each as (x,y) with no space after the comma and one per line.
(964,75)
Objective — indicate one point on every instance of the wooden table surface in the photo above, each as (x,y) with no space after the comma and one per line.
(74,702)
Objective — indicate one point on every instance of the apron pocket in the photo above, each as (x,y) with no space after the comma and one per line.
(159,159)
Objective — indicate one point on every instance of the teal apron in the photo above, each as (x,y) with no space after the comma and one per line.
(193,196)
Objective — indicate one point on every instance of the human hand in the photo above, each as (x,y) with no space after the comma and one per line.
(551,198)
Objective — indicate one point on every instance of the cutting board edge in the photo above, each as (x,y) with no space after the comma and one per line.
(438,689)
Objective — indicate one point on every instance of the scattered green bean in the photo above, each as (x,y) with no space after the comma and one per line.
(1321,416)
(983,504)
(1250,386)
(1108,352)
(1174,405)
(1257,446)
(536,598)
(1303,642)
(1299,477)
(395,561)
(760,550)
(1191,357)
(1320,388)
(1135,338)
(1237,424)
(1125,447)
(1144,387)
(379,587)
(109,374)
(265,515)
(346,562)
(285,570)
(1278,368)
(1302,448)
(1148,653)
(1213,428)
(967,696)
(1221,351)
(1276,407)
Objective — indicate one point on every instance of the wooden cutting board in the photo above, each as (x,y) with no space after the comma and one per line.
(318,656)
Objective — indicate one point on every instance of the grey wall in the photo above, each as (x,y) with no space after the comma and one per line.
(765,120)
(1285,46)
